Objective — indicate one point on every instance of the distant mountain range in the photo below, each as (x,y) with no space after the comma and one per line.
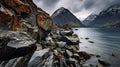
(108,18)
(64,16)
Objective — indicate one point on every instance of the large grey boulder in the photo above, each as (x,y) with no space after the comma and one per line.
(15,44)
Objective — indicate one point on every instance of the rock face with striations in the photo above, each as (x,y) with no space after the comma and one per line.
(64,16)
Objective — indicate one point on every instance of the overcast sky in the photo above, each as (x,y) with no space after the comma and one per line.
(80,8)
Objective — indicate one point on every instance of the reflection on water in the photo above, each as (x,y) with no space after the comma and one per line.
(106,42)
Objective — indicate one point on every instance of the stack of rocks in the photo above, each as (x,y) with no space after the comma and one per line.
(61,49)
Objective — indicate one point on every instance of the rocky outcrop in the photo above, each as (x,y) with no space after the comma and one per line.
(28,38)
(16,29)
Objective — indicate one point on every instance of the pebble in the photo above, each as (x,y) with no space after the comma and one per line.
(87,38)
(103,62)
(90,41)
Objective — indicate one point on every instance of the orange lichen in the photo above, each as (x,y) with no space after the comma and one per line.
(18,6)
(16,23)
(41,19)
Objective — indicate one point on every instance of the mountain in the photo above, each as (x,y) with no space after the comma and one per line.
(108,18)
(89,19)
(64,16)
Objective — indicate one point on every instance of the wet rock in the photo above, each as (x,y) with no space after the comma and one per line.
(90,41)
(103,62)
(98,56)
(113,54)
(85,55)
(87,38)
(66,32)
(76,29)
(70,40)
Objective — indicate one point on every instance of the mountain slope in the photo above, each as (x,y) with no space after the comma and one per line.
(89,19)
(64,16)
(108,18)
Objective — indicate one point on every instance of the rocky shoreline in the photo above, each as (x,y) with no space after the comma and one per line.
(29,38)
(59,48)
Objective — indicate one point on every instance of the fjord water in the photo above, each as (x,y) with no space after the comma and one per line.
(106,43)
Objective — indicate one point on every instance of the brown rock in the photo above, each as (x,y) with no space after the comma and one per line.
(5,16)
(44,22)
(19,6)
(85,55)
(16,23)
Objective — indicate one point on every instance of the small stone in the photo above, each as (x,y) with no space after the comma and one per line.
(98,56)
(76,29)
(90,41)
(103,62)
(87,38)
(113,54)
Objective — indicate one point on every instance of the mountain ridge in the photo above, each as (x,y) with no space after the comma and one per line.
(107,18)
(64,16)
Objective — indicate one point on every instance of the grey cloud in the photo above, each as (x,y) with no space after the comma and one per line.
(47,3)
(98,5)
(76,6)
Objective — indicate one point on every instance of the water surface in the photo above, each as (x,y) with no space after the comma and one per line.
(106,42)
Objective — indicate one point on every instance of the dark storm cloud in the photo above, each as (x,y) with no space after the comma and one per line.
(85,7)
(47,3)
(98,4)
(50,2)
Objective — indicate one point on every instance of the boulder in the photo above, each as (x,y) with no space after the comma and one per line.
(41,58)
(70,40)
(104,63)
(15,44)
(66,32)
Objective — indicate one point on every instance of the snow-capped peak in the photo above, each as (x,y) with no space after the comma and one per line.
(59,11)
